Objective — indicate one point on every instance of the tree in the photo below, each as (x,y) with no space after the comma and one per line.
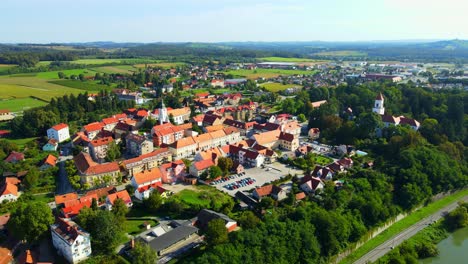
(120,209)
(61,75)
(113,152)
(143,254)
(458,218)
(154,201)
(215,172)
(301,118)
(225,164)
(94,204)
(216,232)
(248,220)
(30,180)
(30,221)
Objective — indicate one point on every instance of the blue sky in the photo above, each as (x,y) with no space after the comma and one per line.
(44,21)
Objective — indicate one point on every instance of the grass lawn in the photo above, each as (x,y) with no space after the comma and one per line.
(45,198)
(342,53)
(135,226)
(283,59)
(89,86)
(322,160)
(20,104)
(403,224)
(21,141)
(193,197)
(276,87)
(266,73)
(6,67)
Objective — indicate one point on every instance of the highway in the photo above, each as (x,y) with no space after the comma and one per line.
(385,247)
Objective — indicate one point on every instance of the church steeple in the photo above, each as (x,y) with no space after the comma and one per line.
(379,105)
(163,113)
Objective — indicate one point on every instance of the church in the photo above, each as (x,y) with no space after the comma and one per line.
(392,120)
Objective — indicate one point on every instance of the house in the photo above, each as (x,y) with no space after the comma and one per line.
(70,240)
(91,130)
(63,198)
(237,168)
(274,191)
(14,157)
(9,190)
(138,145)
(246,157)
(123,195)
(51,145)
(124,128)
(49,162)
(175,236)
(59,132)
(314,133)
(214,154)
(92,173)
(217,83)
(245,128)
(318,103)
(110,123)
(6,115)
(173,171)
(291,127)
(98,148)
(310,184)
(300,196)
(212,120)
(149,178)
(288,141)
(146,161)
(183,148)
(166,134)
(72,208)
(199,167)
(205,216)
(268,139)
(323,173)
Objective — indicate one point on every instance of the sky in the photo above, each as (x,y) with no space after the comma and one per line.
(46,21)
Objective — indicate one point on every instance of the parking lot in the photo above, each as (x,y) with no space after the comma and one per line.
(260,176)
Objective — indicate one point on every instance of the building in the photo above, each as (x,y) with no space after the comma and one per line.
(14,157)
(170,239)
(173,171)
(138,145)
(268,139)
(72,208)
(389,120)
(92,173)
(217,83)
(123,195)
(9,190)
(6,115)
(310,184)
(49,162)
(314,133)
(379,105)
(277,193)
(146,161)
(98,148)
(166,134)
(199,167)
(205,216)
(92,130)
(70,240)
(376,77)
(183,148)
(145,181)
(59,132)
(288,141)
(51,145)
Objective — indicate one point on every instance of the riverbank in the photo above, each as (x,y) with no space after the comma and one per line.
(424,244)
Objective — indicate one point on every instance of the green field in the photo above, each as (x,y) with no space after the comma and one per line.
(403,224)
(54,74)
(135,226)
(21,141)
(6,67)
(23,87)
(342,53)
(164,65)
(266,73)
(192,197)
(283,59)
(276,87)
(20,104)
(124,69)
(89,86)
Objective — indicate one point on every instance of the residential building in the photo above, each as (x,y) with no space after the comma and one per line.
(93,173)
(268,139)
(167,134)
(288,141)
(49,162)
(51,145)
(9,190)
(91,130)
(59,132)
(217,83)
(123,195)
(173,171)
(275,192)
(70,240)
(6,115)
(199,167)
(146,161)
(98,148)
(310,184)
(161,243)
(138,145)
(142,181)
(205,216)
(14,157)
(183,148)
(72,208)
(314,133)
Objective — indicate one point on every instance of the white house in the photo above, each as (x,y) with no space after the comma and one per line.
(146,182)
(59,132)
(9,192)
(70,240)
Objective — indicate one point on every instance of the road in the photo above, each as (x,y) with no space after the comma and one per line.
(385,247)
(63,184)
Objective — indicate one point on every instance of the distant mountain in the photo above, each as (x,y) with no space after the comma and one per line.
(455,44)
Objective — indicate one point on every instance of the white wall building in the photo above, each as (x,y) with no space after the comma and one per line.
(59,132)
(72,242)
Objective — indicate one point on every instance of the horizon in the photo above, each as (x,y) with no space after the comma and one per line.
(209,21)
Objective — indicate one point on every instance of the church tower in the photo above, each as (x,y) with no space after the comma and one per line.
(163,113)
(379,105)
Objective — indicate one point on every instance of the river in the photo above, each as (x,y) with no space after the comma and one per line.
(452,250)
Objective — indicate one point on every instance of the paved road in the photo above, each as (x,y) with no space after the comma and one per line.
(63,184)
(385,247)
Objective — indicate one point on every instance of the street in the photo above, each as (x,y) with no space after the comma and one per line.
(385,247)
(63,184)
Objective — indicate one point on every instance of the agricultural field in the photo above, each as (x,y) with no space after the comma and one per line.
(89,86)
(342,53)
(266,73)
(123,69)
(20,104)
(164,65)
(6,67)
(54,74)
(276,87)
(284,59)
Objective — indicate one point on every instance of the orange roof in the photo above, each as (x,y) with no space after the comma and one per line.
(147,176)
(93,126)
(203,164)
(51,160)
(300,196)
(60,126)
(9,188)
(217,134)
(101,141)
(183,142)
(59,199)
(214,128)
(5,255)
(267,137)
(87,166)
(120,195)
(318,103)
(265,190)
(179,111)
(110,120)
(202,137)
(12,180)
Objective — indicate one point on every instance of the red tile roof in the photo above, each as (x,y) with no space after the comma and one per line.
(147,176)
(379,97)
(50,160)
(87,166)
(9,188)
(14,157)
(59,199)
(119,195)
(147,156)
(203,164)
(93,126)
(60,126)
(101,141)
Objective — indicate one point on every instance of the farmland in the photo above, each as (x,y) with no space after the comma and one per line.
(89,86)
(164,65)
(276,87)
(124,69)
(20,104)
(266,73)
(54,74)
(283,59)
(6,67)
(342,53)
